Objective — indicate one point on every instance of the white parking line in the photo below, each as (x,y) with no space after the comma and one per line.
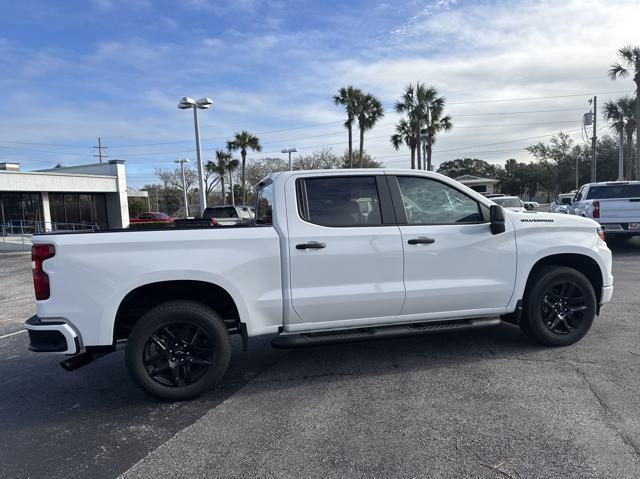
(13,334)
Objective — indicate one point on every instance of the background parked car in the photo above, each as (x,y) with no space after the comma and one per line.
(561,202)
(613,204)
(152,217)
(512,203)
(229,215)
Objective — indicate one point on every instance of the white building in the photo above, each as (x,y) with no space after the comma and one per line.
(94,194)
(486,186)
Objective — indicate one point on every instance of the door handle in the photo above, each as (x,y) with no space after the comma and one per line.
(311,245)
(421,240)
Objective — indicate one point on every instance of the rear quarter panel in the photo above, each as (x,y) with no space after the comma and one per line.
(92,273)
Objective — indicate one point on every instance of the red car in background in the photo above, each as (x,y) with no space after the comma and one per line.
(152,217)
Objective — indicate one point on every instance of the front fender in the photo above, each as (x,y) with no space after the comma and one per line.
(535,244)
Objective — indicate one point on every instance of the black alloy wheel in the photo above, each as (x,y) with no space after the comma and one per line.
(559,306)
(563,307)
(178,354)
(178,350)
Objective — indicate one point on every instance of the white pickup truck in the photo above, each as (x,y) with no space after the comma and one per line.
(614,204)
(332,256)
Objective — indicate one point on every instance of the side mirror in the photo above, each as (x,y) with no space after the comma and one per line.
(528,206)
(496,216)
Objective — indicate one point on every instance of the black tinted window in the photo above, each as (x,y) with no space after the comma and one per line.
(428,201)
(221,212)
(606,192)
(340,201)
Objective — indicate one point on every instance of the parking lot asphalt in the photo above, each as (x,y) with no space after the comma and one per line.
(478,404)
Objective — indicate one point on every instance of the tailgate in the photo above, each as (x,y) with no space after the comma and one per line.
(624,210)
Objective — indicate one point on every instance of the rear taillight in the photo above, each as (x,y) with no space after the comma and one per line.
(213,222)
(596,209)
(39,253)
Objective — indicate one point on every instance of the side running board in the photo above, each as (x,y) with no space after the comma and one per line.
(288,340)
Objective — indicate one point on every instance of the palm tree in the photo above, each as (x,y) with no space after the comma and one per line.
(244,141)
(405,134)
(436,123)
(221,168)
(347,97)
(368,111)
(621,112)
(630,58)
(415,103)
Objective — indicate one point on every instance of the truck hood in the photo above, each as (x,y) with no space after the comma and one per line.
(536,219)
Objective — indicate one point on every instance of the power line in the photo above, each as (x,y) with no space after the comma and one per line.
(533,98)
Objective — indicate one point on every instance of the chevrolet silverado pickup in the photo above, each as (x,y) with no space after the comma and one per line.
(614,204)
(332,256)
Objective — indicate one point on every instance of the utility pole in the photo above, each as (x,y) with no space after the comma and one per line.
(594,169)
(184,186)
(621,155)
(100,148)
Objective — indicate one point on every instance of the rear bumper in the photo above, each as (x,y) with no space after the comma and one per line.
(621,229)
(52,336)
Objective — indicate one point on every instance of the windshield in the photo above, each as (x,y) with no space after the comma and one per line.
(508,202)
(606,192)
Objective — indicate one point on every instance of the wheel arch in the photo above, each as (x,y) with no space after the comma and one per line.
(142,298)
(580,262)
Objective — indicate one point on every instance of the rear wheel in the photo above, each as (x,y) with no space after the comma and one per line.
(178,350)
(560,306)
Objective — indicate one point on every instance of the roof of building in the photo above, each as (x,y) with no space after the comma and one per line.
(474,180)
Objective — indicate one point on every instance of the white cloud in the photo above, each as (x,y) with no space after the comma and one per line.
(274,78)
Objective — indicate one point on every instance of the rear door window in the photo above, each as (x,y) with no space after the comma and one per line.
(340,201)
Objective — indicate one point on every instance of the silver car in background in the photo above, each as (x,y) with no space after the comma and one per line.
(561,202)
(512,203)
(230,215)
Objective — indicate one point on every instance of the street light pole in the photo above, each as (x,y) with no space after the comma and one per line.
(201,104)
(184,186)
(290,150)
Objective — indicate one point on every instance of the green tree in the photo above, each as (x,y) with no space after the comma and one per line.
(348,97)
(368,112)
(325,159)
(622,114)
(223,167)
(421,104)
(242,142)
(368,161)
(405,135)
(470,166)
(630,63)
(436,122)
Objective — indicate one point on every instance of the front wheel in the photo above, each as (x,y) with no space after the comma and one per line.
(178,350)
(559,308)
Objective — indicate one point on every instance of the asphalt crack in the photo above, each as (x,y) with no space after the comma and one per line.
(608,411)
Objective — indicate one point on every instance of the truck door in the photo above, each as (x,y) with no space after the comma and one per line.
(345,250)
(453,265)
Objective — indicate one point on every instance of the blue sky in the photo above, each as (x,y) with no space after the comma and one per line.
(75,70)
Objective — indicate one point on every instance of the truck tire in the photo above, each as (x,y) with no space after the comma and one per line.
(559,306)
(178,350)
